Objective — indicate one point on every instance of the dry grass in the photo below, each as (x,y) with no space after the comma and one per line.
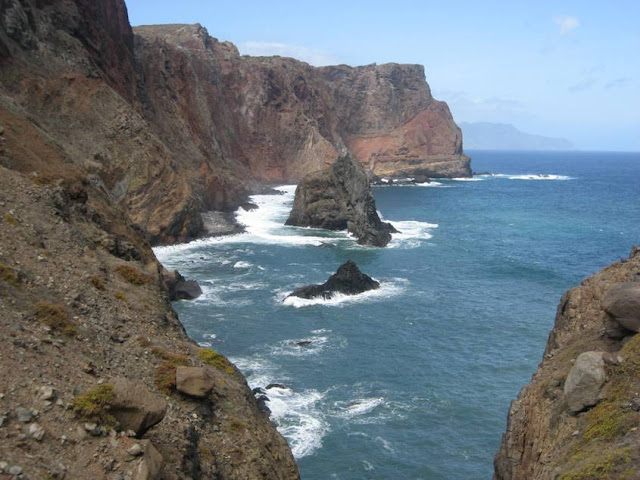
(133,275)
(165,376)
(7,274)
(98,282)
(94,404)
(55,316)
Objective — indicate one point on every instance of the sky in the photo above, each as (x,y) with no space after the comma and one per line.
(567,69)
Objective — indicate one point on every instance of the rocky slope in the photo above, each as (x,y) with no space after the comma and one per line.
(579,416)
(340,198)
(174,122)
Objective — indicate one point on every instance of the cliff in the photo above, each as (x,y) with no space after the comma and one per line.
(99,379)
(173,122)
(578,418)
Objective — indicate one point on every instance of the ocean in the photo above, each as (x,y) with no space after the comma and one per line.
(414,380)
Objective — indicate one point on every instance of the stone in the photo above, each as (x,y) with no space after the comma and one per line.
(24,415)
(348,280)
(4,466)
(193,381)
(151,466)
(15,470)
(136,408)
(135,450)
(622,302)
(47,393)
(340,198)
(36,431)
(583,384)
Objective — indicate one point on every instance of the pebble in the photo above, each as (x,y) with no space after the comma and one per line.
(15,470)
(135,450)
(36,431)
(47,392)
(4,466)
(24,414)
(576,433)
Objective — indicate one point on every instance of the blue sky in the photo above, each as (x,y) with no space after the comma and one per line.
(566,69)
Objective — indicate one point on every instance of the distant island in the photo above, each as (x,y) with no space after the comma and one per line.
(503,136)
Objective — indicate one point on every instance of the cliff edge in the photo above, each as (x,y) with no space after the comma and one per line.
(579,416)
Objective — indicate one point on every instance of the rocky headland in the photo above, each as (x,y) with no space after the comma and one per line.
(579,417)
(348,280)
(340,198)
(173,122)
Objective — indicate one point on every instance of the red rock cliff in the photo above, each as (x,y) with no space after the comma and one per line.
(173,122)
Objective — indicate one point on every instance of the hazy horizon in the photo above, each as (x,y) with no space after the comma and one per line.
(560,72)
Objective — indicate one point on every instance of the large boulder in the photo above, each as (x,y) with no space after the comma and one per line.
(348,280)
(136,408)
(193,381)
(583,384)
(340,198)
(623,304)
(150,467)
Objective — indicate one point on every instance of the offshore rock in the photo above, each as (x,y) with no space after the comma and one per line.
(340,198)
(178,287)
(348,280)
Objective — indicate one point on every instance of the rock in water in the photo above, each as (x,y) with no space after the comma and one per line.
(340,198)
(348,280)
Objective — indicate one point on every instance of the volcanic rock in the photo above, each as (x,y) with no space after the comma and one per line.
(582,387)
(348,280)
(623,304)
(193,381)
(178,287)
(136,408)
(340,198)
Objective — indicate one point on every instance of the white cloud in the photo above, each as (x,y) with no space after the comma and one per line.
(566,23)
(309,55)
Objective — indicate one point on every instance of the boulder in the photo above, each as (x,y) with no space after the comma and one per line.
(150,468)
(178,287)
(136,408)
(340,198)
(622,302)
(348,280)
(583,384)
(193,381)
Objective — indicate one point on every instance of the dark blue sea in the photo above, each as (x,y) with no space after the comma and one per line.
(412,381)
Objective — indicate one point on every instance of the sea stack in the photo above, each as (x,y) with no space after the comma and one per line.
(348,280)
(340,198)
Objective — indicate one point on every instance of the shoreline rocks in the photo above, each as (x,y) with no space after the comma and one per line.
(348,280)
(340,198)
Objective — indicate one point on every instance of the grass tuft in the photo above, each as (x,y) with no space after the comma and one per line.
(98,282)
(165,376)
(94,404)
(8,274)
(55,316)
(214,359)
(133,275)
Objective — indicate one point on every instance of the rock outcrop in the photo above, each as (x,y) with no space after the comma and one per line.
(579,416)
(348,280)
(340,198)
(172,122)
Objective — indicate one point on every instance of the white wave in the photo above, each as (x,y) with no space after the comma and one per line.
(320,331)
(386,290)
(242,264)
(210,336)
(467,179)
(538,177)
(297,415)
(412,233)
(367,466)
(360,406)
(430,184)
(205,344)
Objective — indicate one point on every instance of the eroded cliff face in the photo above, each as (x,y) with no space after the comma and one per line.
(552,431)
(173,122)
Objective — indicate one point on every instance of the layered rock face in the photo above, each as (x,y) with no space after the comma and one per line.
(173,122)
(579,416)
(340,198)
